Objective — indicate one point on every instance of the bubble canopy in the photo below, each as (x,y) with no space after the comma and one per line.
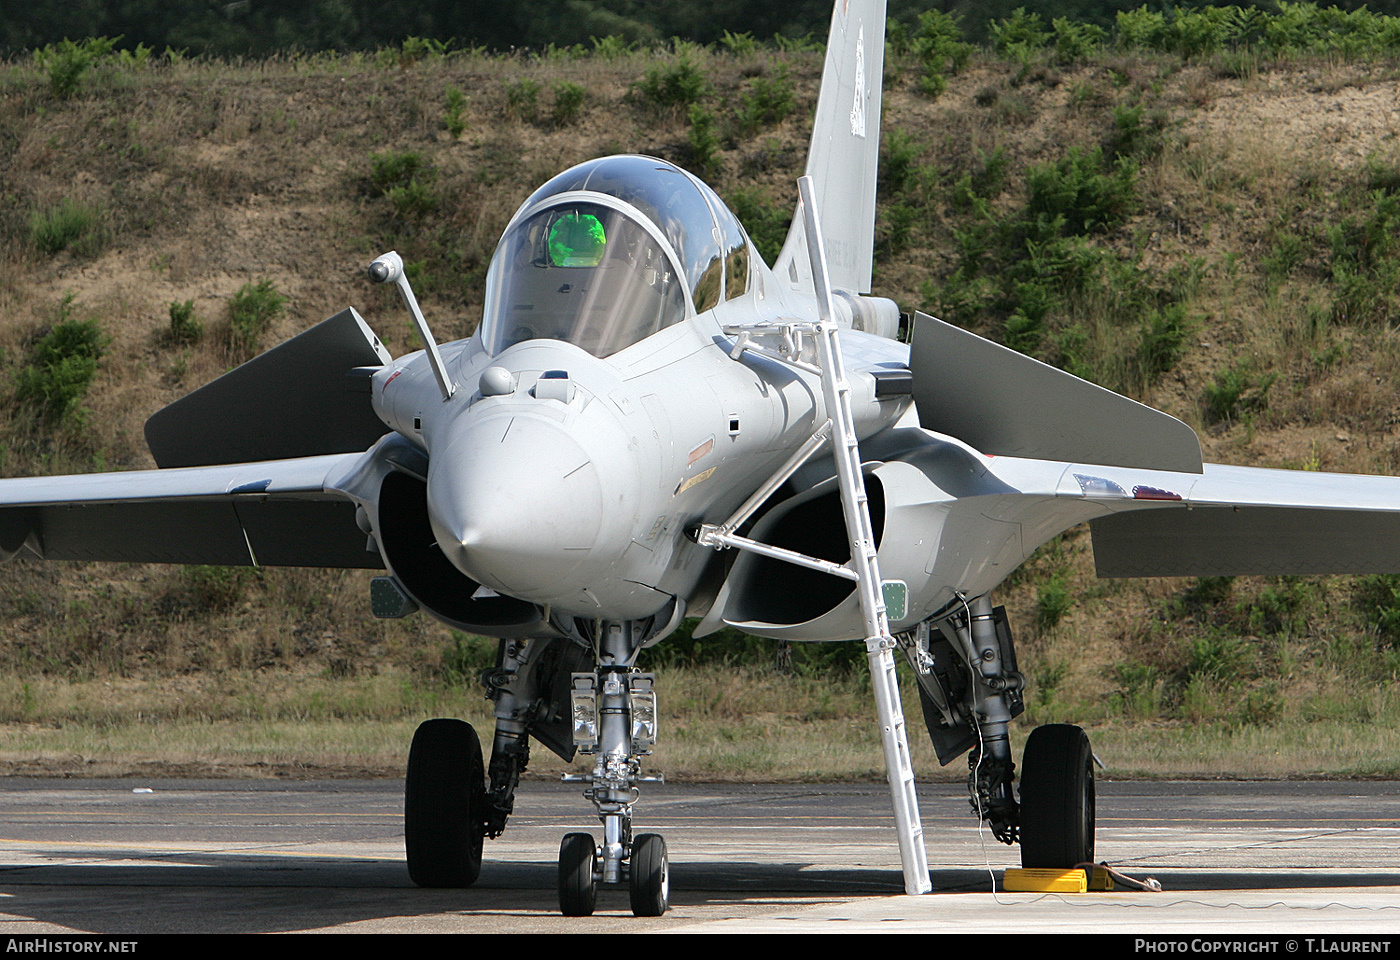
(608,253)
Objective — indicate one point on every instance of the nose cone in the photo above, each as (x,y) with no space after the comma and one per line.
(516,504)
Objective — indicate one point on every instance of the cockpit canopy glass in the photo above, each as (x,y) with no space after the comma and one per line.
(588,273)
(582,273)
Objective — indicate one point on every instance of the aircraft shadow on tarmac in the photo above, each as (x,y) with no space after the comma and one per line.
(269,893)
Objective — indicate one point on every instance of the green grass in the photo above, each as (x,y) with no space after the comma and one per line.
(569,99)
(523,99)
(767,102)
(69,62)
(939,50)
(1235,391)
(67,225)
(704,143)
(251,310)
(676,83)
(395,168)
(55,378)
(454,117)
(185,326)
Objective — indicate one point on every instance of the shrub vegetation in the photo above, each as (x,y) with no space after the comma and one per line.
(1075,199)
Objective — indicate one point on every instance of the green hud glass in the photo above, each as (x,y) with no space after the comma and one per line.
(577,240)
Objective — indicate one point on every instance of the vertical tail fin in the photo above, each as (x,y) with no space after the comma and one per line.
(845,154)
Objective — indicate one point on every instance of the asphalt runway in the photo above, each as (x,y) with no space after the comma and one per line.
(129,857)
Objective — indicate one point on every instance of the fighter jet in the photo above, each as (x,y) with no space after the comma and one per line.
(651,423)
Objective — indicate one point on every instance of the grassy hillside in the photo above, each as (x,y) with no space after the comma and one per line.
(1209,232)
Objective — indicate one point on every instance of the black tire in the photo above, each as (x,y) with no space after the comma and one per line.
(444,794)
(1057,798)
(650,878)
(578,864)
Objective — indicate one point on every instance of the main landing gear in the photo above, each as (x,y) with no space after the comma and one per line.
(1057,798)
(542,688)
(444,801)
(965,664)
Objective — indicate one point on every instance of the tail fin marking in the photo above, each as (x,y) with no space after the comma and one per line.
(845,152)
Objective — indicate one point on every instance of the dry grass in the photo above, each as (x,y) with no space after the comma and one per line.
(770,729)
(213,175)
(720,724)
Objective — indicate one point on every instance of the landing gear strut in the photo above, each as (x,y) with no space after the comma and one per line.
(614,718)
(965,664)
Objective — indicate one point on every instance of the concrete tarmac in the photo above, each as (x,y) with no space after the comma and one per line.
(129,857)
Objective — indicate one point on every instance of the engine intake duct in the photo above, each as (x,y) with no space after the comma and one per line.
(767,593)
(413,556)
(773,598)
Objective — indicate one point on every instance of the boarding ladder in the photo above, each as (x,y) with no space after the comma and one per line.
(864,568)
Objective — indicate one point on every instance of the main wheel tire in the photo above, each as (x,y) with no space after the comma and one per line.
(578,866)
(650,879)
(444,793)
(1057,798)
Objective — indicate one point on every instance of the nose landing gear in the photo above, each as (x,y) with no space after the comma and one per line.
(611,714)
(648,872)
(614,717)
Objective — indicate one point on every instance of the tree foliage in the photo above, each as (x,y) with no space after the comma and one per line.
(260,27)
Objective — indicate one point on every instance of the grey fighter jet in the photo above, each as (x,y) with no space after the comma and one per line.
(651,423)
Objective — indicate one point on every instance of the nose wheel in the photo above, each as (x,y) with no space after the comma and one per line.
(649,879)
(578,875)
(648,871)
(613,712)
